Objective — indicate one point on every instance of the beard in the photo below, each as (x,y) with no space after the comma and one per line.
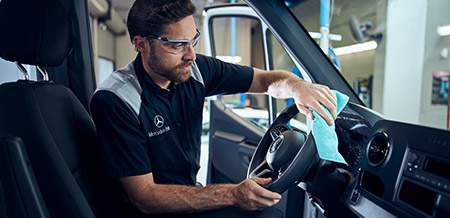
(174,74)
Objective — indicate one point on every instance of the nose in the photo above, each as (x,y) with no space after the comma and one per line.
(189,53)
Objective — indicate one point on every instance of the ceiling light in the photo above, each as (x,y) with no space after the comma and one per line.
(356,48)
(443,30)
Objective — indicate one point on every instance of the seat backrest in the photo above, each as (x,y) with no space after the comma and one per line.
(56,129)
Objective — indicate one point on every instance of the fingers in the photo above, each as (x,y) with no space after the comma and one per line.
(261,181)
(260,191)
(316,97)
(251,196)
(330,102)
(305,111)
(326,99)
(323,113)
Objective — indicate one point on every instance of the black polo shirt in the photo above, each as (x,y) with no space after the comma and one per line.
(143,128)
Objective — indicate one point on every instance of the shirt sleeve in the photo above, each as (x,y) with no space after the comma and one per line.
(224,78)
(123,145)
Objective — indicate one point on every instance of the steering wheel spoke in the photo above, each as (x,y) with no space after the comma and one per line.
(260,168)
(267,173)
(263,171)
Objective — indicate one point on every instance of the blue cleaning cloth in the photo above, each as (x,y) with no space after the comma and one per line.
(325,135)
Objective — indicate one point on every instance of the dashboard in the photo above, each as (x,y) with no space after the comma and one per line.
(405,172)
(394,169)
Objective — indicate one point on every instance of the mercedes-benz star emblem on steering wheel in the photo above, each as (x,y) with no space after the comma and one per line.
(159,121)
(276,144)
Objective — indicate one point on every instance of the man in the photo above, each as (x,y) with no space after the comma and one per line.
(148,115)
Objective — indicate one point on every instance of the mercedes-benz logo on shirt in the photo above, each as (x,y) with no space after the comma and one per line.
(159,121)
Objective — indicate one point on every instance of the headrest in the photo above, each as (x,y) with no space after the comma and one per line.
(35,32)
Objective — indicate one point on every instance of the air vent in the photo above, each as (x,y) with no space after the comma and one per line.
(378,149)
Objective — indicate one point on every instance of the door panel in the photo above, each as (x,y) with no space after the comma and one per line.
(232,143)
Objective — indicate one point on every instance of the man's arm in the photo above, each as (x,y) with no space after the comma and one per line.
(283,84)
(149,197)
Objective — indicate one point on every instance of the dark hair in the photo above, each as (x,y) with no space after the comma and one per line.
(150,17)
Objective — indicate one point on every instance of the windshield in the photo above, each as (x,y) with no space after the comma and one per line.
(394,54)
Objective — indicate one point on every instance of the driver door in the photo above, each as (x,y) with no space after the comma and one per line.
(237,123)
(234,33)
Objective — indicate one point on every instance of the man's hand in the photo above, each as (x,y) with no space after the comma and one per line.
(152,198)
(284,84)
(308,95)
(249,195)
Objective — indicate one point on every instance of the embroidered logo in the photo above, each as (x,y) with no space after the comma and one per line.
(159,121)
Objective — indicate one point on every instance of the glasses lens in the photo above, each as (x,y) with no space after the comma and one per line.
(176,46)
(197,37)
(195,40)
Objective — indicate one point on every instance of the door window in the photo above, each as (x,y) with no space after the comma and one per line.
(239,40)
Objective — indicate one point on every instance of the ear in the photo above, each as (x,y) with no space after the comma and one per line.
(141,44)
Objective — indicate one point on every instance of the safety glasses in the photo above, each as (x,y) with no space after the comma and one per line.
(176,46)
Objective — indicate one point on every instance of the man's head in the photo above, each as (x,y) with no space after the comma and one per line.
(164,32)
(151,17)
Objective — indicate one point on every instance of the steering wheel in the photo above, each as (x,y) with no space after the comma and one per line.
(283,154)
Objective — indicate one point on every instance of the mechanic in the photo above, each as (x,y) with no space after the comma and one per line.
(148,116)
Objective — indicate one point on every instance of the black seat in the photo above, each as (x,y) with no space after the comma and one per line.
(56,129)
(20,195)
